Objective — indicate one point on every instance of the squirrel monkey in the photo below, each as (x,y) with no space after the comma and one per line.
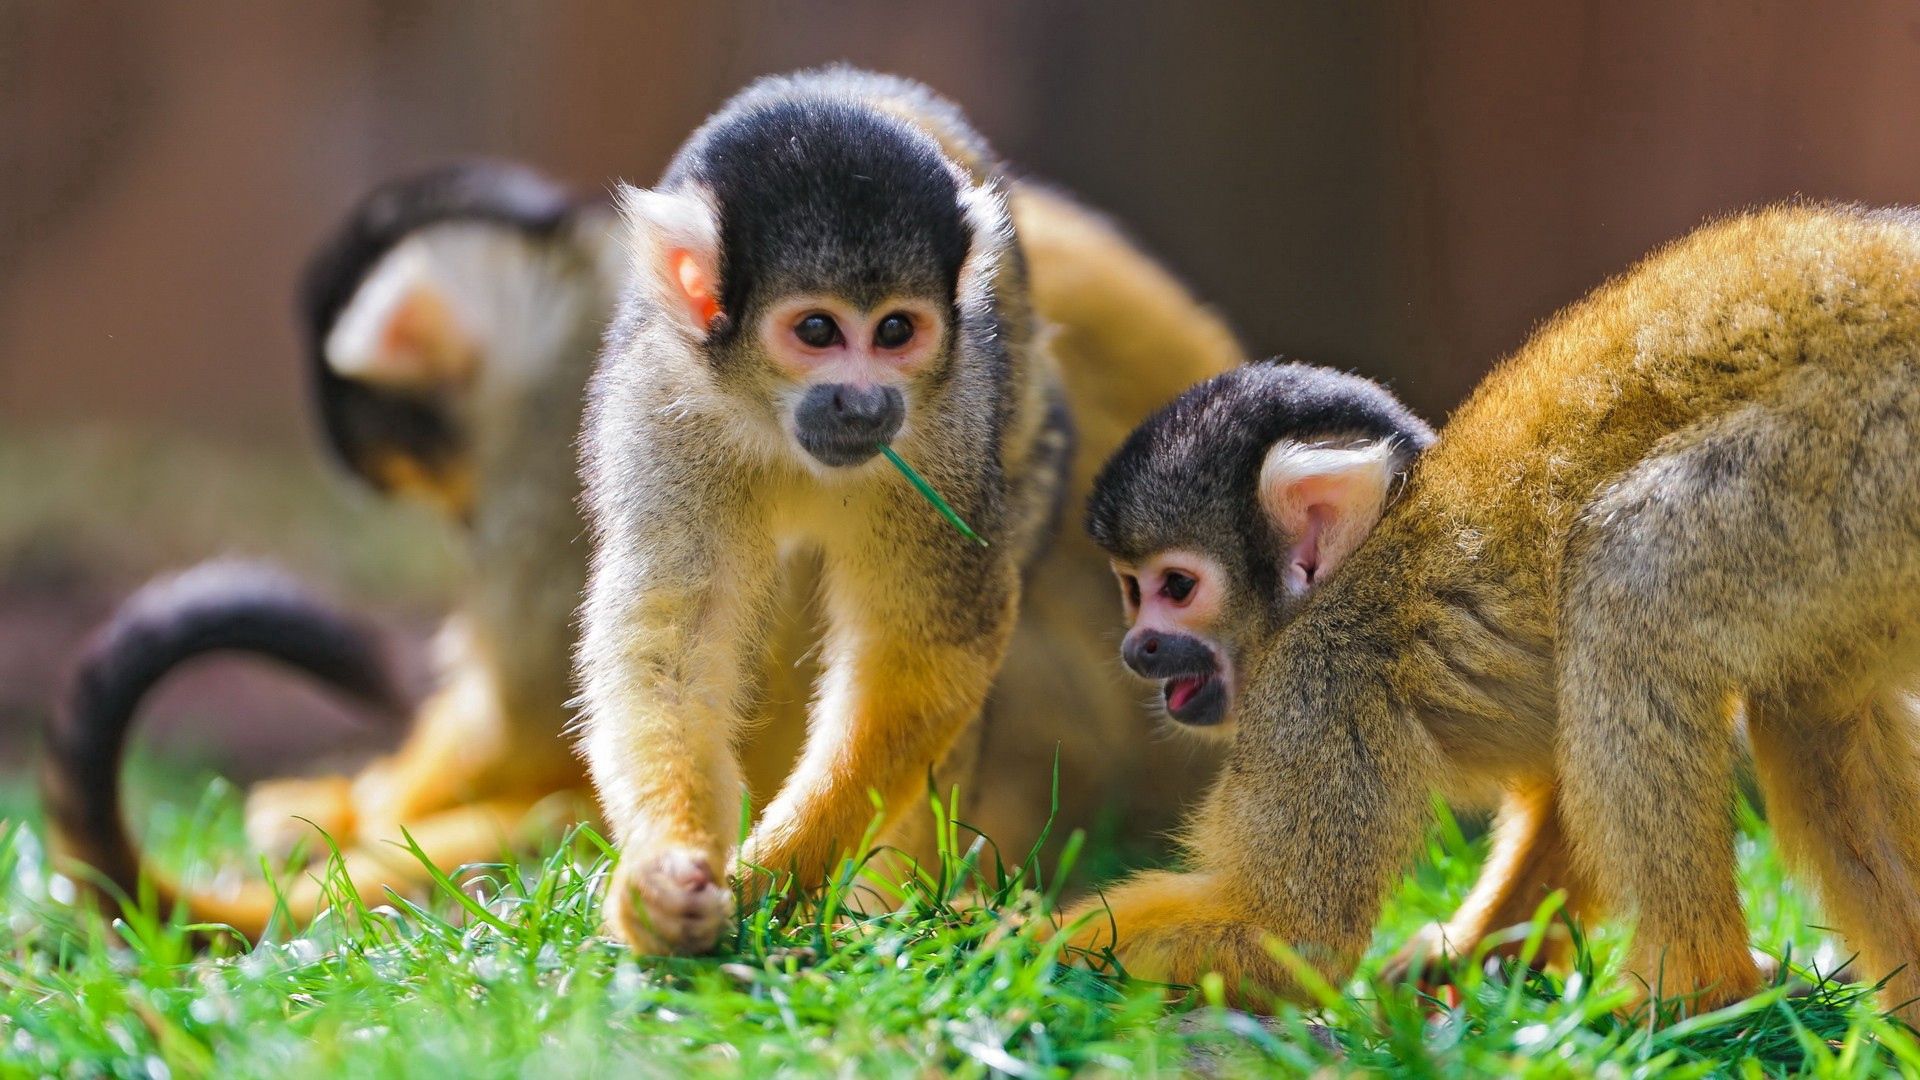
(1690,491)
(833,264)
(452,325)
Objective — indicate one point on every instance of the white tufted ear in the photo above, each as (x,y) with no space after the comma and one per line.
(453,299)
(1324,501)
(403,329)
(985,208)
(675,249)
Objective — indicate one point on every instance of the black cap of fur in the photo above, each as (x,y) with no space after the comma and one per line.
(820,190)
(215,607)
(1186,477)
(363,424)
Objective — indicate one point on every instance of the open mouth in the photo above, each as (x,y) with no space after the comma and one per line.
(1195,699)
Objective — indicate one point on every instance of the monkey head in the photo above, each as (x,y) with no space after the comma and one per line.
(440,289)
(819,259)
(1225,510)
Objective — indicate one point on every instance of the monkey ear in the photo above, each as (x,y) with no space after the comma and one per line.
(1324,500)
(675,238)
(403,328)
(985,209)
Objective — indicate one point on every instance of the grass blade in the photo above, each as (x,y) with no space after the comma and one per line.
(926,490)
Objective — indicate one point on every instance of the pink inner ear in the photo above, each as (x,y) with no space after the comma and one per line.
(422,341)
(1303,559)
(696,286)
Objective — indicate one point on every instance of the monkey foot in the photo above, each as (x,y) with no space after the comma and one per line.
(668,903)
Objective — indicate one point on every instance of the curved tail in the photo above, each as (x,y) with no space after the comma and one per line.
(214,607)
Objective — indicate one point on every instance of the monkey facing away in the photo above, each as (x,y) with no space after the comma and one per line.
(833,262)
(1690,491)
(452,324)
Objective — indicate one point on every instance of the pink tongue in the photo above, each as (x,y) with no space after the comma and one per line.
(1181,691)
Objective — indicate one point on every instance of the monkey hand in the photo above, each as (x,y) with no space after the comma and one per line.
(668,900)
(1180,928)
(1434,956)
(1439,952)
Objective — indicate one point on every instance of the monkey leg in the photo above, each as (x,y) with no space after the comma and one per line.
(456,753)
(672,620)
(481,831)
(1531,858)
(1655,635)
(1842,786)
(1768,547)
(1647,774)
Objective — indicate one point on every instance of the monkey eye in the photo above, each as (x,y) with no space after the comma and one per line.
(1177,586)
(894,331)
(817,331)
(1132,586)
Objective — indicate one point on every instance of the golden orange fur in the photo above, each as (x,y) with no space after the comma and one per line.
(1692,489)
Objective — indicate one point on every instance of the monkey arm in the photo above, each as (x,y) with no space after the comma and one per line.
(1298,842)
(667,626)
(906,670)
(1531,858)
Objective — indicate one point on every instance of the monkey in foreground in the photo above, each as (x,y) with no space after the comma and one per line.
(408,353)
(1691,492)
(834,262)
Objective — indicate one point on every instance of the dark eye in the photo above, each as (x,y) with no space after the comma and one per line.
(1177,586)
(1132,585)
(817,331)
(894,331)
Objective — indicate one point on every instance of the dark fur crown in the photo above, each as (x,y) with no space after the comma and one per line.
(361,423)
(1199,457)
(820,188)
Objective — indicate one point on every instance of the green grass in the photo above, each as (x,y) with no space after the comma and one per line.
(509,977)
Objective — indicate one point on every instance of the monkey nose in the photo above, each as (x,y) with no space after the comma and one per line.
(844,424)
(1153,654)
(867,411)
(1138,652)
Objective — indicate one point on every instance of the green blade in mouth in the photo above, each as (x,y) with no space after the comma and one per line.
(926,490)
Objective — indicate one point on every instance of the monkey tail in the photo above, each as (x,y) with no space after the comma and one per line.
(220,606)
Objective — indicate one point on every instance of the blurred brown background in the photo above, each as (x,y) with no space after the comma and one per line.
(1398,188)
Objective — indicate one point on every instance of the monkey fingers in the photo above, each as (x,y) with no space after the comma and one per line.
(671,902)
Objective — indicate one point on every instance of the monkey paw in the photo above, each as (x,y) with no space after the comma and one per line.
(668,902)
(1799,985)
(282,815)
(1430,956)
